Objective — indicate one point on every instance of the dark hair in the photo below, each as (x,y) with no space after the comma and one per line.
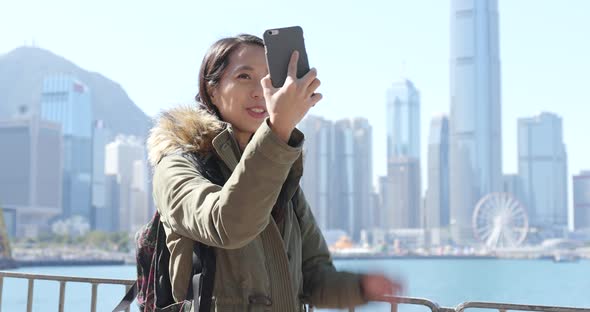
(214,64)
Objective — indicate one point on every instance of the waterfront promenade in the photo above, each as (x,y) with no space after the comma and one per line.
(78,255)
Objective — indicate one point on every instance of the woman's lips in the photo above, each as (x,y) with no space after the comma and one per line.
(257,112)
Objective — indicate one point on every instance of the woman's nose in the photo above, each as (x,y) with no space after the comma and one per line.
(257,92)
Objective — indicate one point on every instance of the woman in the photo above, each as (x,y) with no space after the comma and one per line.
(270,253)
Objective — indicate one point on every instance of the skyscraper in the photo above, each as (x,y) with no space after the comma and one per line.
(376,204)
(120,157)
(385,213)
(341,210)
(542,167)
(512,184)
(31,174)
(437,193)
(363,213)
(581,187)
(403,120)
(402,194)
(475,122)
(338,173)
(108,220)
(67,101)
(318,158)
(403,182)
(101,218)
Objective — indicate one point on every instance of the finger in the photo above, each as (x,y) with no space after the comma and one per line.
(315,98)
(313,87)
(308,78)
(393,290)
(397,288)
(292,69)
(267,87)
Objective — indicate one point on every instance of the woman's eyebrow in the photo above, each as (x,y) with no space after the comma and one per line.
(244,67)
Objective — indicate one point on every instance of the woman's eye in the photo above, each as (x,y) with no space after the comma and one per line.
(243,76)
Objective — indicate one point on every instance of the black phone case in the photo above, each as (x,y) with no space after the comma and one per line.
(279,45)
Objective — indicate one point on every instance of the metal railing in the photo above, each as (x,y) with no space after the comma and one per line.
(393,301)
(500,307)
(62,286)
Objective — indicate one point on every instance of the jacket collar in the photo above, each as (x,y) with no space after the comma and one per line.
(227,148)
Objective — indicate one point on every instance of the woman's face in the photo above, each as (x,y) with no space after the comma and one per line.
(239,96)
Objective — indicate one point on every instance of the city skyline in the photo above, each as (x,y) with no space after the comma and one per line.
(379,163)
(347,130)
(59,91)
(420,50)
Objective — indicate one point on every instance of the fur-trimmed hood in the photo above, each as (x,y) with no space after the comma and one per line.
(183,129)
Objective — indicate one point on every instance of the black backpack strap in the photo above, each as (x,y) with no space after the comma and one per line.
(125,303)
(163,287)
(202,282)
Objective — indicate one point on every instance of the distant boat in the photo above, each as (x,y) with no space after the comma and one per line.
(559,257)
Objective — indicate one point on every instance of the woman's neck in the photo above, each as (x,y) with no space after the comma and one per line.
(242,138)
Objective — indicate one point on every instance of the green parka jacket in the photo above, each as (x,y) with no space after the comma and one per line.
(260,265)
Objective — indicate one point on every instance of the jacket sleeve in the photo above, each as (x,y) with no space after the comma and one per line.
(323,285)
(230,216)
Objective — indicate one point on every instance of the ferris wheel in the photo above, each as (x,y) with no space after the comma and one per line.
(500,220)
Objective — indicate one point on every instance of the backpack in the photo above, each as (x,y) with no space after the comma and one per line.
(152,288)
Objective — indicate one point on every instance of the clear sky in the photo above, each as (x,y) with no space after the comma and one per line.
(153,50)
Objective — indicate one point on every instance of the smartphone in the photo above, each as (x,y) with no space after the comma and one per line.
(279,44)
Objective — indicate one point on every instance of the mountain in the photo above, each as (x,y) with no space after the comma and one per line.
(21,78)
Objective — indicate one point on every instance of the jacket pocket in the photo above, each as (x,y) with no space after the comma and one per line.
(229,304)
(259,303)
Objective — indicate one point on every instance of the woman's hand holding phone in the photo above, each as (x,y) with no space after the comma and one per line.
(288,104)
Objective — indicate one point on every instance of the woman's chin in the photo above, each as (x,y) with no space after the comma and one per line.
(256,124)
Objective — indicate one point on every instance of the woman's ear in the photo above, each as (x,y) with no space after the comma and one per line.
(212,94)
